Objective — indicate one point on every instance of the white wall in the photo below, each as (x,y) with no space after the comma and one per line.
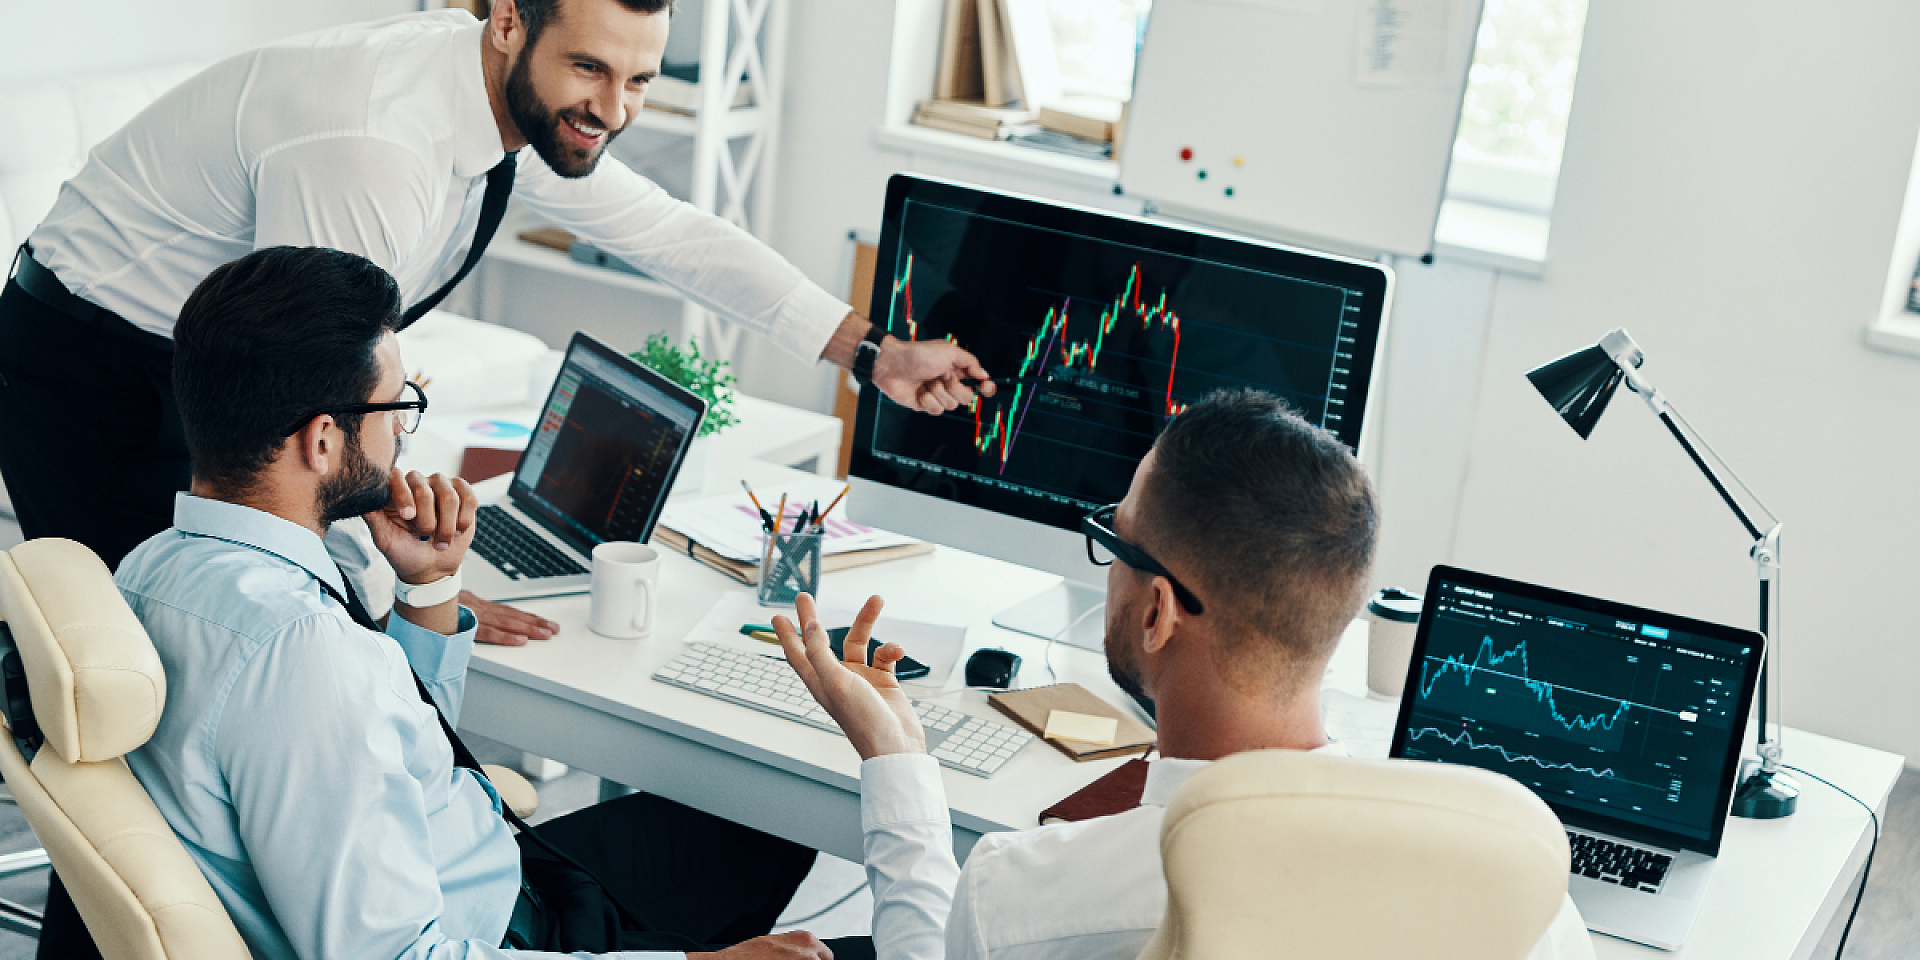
(53,40)
(1733,176)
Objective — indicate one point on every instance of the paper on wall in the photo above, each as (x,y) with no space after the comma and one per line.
(1402,43)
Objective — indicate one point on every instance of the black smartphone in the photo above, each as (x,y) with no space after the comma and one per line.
(907,669)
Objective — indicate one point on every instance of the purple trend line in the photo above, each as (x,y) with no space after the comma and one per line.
(1466,737)
(1038,375)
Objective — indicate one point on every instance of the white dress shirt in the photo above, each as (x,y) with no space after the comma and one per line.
(1069,891)
(373,138)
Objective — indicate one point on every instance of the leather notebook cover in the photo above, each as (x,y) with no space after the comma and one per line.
(1030,707)
(1117,792)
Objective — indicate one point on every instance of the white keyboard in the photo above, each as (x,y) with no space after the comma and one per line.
(958,740)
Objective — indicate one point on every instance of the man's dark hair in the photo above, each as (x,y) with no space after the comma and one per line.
(270,338)
(1273,519)
(536,14)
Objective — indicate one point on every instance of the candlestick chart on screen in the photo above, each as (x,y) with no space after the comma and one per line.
(1094,347)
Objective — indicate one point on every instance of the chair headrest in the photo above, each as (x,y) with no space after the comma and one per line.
(96,681)
(1468,864)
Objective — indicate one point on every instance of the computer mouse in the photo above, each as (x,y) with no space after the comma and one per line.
(990,667)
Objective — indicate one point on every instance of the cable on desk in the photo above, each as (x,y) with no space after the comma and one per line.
(1865,871)
(823,911)
(1046,653)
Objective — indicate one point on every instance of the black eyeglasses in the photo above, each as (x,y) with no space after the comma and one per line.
(1104,546)
(410,411)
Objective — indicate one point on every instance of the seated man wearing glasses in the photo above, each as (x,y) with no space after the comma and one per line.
(299,758)
(1244,545)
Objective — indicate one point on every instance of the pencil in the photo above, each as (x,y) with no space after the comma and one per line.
(780,519)
(835,503)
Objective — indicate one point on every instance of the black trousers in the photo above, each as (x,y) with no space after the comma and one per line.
(90,440)
(693,881)
(688,880)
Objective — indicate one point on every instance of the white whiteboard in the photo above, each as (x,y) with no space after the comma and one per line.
(1327,121)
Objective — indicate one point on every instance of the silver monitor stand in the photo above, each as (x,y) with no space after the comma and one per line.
(1002,537)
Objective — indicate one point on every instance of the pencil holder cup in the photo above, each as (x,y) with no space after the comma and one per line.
(789,567)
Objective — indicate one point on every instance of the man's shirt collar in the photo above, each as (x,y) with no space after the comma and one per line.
(476,138)
(258,529)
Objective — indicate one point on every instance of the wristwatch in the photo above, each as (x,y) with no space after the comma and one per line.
(866,353)
(421,596)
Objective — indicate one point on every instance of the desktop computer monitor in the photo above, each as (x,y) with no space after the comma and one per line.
(1098,329)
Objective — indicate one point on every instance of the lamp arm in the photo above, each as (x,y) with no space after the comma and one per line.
(1765,550)
(1657,402)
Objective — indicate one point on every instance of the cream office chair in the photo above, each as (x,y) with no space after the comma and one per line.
(96,689)
(1279,853)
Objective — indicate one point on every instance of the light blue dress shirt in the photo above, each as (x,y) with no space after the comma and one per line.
(295,758)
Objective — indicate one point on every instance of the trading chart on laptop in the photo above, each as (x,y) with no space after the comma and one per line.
(1593,712)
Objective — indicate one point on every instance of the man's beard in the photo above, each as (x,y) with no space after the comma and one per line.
(541,126)
(1125,676)
(359,487)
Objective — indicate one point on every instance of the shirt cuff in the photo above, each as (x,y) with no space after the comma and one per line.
(435,656)
(901,788)
(806,319)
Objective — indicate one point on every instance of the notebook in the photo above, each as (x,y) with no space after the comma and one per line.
(1030,708)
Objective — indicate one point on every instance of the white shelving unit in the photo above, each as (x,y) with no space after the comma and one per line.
(739,39)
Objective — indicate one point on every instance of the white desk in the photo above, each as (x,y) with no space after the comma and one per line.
(590,702)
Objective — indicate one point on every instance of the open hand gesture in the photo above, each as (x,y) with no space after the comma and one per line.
(866,701)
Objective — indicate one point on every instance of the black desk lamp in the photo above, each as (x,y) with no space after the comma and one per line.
(1579,386)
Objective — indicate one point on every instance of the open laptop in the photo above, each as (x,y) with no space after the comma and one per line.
(1629,723)
(610,440)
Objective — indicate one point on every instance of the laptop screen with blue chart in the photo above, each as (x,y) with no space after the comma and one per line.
(1623,719)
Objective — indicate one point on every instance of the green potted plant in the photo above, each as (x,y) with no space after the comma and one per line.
(707,378)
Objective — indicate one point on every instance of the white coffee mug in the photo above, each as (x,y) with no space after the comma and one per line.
(626,590)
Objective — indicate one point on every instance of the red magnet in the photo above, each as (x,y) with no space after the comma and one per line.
(1186,154)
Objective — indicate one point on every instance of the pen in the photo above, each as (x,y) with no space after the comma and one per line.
(815,515)
(765,520)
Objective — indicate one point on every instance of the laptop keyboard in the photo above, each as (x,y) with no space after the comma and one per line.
(958,740)
(518,552)
(1635,868)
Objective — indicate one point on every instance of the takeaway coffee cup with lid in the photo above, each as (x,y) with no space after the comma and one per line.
(1393,616)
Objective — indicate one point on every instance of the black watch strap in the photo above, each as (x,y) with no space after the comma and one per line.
(865,353)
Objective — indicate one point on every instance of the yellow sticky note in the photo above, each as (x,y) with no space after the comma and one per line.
(1067,725)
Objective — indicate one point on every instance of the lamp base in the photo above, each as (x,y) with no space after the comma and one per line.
(1764,794)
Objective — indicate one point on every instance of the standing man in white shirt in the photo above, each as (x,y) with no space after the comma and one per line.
(398,140)
(1244,547)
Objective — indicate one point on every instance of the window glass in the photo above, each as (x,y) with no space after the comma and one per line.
(1095,41)
(1520,88)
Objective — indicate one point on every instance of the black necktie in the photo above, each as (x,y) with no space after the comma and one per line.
(493,206)
(462,757)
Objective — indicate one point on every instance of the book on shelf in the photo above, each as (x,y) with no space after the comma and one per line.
(1039,139)
(959,77)
(983,122)
(1089,118)
(675,95)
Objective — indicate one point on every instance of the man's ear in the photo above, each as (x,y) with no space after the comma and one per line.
(317,445)
(1163,615)
(504,28)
